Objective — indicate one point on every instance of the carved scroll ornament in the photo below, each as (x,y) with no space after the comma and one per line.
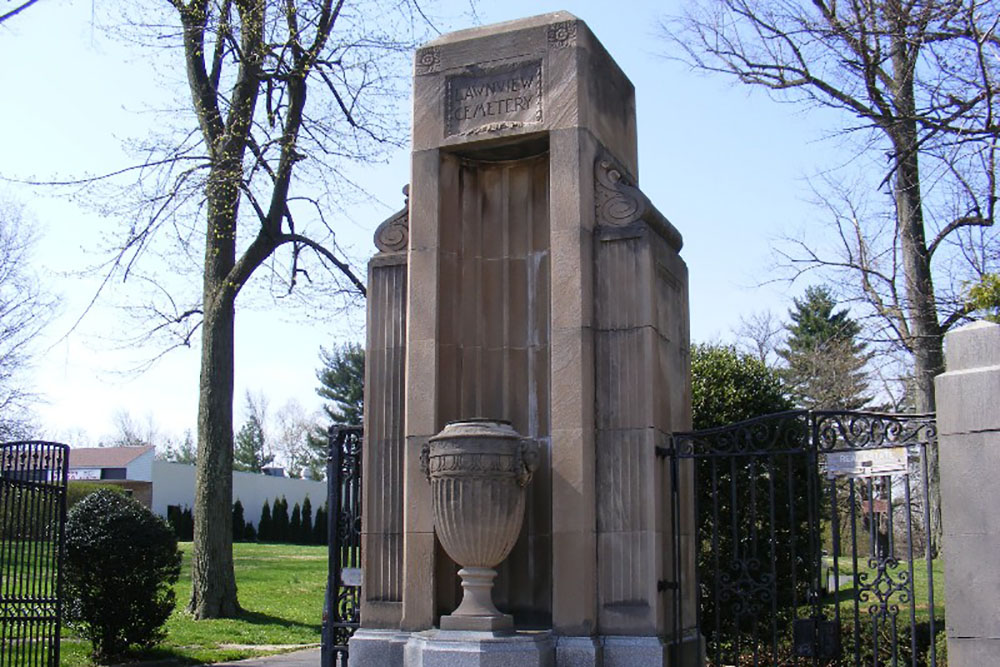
(619,202)
(393,234)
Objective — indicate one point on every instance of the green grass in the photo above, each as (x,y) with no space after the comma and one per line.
(281,590)
(920,587)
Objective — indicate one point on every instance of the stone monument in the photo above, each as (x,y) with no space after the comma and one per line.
(529,280)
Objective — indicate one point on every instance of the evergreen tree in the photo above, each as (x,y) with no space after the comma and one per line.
(264,532)
(307,524)
(320,527)
(279,520)
(295,525)
(825,365)
(187,525)
(342,381)
(239,524)
(249,453)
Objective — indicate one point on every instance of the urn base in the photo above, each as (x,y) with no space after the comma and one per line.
(477,611)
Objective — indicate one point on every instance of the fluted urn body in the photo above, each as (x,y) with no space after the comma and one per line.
(478,470)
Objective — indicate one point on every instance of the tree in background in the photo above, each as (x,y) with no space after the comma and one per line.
(919,84)
(307,521)
(825,365)
(985,297)
(291,438)
(760,334)
(320,529)
(342,382)
(279,520)
(185,452)
(265,532)
(239,523)
(728,387)
(251,452)
(295,525)
(25,309)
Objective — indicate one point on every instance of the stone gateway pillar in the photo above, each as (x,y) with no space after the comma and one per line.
(528,280)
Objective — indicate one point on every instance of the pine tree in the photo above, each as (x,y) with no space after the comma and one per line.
(295,525)
(239,524)
(825,365)
(264,532)
(249,453)
(342,381)
(279,520)
(307,524)
(320,527)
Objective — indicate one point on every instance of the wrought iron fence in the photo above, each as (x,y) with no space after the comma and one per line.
(342,613)
(812,539)
(32,521)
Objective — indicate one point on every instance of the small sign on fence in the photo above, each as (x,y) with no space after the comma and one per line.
(866,462)
(350,576)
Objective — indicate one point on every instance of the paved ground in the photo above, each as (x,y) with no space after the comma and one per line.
(307,658)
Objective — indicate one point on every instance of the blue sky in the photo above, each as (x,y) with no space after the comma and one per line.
(725,166)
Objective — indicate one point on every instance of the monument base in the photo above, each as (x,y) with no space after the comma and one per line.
(453,648)
(377,647)
(450,648)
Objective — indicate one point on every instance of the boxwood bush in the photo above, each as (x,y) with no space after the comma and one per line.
(121,563)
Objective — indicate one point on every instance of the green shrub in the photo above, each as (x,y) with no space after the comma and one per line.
(121,563)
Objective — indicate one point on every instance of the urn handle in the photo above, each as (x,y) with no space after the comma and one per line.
(425,460)
(527,456)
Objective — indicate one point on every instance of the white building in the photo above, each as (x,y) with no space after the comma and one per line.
(160,484)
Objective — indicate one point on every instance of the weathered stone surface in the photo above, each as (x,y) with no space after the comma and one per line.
(377,647)
(969,456)
(444,648)
(545,289)
(579,652)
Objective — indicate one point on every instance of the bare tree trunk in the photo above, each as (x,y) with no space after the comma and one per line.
(213,580)
(925,330)
(213,589)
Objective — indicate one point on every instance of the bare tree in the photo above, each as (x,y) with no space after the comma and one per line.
(281,98)
(919,82)
(25,309)
(759,334)
(18,8)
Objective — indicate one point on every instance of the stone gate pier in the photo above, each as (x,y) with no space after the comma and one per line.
(529,280)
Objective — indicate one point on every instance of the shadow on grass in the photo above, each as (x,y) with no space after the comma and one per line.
(259,618)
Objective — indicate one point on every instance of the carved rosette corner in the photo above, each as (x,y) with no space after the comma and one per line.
(562,34)
(393,235)
(428,61)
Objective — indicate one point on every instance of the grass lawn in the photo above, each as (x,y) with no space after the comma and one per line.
(280,589)
(920,586)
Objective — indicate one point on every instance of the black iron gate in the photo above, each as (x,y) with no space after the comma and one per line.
(811,539)
(343,592)
(32,521)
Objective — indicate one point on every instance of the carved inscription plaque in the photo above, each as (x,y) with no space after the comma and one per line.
(485,99)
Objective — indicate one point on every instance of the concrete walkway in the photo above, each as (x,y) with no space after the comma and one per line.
(307,658)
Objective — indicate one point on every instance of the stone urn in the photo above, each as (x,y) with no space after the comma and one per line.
(478,470)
